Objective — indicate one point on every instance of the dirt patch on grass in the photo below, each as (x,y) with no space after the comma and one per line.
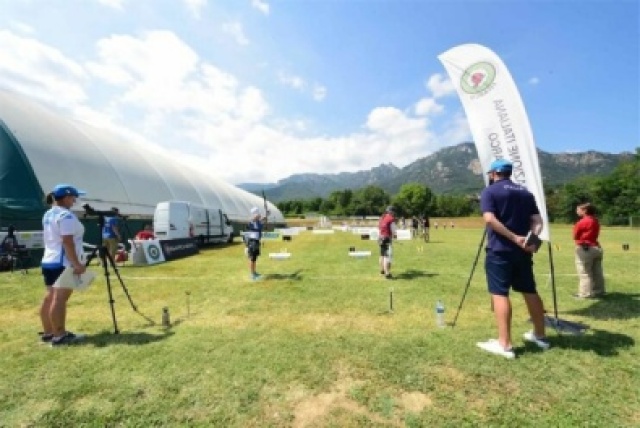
(415,402)
(313,410)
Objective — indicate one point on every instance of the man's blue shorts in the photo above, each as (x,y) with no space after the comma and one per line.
(253,249)
(509,269)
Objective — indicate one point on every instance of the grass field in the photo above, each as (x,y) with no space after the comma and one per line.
(314,344)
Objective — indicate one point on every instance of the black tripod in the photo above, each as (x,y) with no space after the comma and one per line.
(106,259)
(561,326)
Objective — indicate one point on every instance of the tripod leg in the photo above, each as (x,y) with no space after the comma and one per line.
(112,263)
(553,283)
(473,268)
(104,254)
(91,256)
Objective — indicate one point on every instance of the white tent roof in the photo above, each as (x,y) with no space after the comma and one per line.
(113,171)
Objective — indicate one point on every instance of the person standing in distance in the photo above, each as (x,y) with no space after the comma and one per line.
(146,233)
(425,224)
(62,234)
(415,224)
(588,253)
(111,233)
(386,230)
(251,237)
(510,212)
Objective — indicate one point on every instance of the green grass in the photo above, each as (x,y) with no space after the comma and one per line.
(314,343)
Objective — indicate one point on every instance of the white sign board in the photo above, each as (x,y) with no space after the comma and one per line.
(323,231)
(403,235)
(359,254)
(147,252)
(289,231)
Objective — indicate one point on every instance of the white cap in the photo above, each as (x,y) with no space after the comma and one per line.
(255,211)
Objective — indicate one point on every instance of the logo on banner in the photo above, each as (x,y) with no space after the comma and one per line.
(478,78)
(154,252)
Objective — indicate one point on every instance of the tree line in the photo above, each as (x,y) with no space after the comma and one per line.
(616,196)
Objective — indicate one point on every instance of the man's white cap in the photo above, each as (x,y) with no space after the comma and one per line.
(255,211)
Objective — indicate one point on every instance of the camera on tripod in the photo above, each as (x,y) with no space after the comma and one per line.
(107,260)
(89,210)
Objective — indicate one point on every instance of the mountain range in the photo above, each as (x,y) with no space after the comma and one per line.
(451,170)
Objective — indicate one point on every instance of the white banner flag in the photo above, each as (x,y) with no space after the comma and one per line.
(496,115)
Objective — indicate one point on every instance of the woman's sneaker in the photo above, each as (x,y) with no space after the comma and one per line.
(67,339)
(493,346)
(541,342)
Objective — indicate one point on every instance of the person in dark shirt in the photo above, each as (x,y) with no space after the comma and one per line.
(510,212)
(415,223)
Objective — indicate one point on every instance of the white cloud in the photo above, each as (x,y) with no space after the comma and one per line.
(440,85)
(155,88)
(427,106)
(251,105)
(195,7)
(456,130)
(22,27)
(40,71)
(115,4)
(151,69)
(319,92)
(391,121)
(534,81)
(295,82)
(235,30)
(262,6)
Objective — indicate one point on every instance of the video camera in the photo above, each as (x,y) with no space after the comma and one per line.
(89,210)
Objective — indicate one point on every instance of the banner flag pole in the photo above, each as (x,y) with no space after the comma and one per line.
(498,121)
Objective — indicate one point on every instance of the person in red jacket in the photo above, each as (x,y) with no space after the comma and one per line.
(386,229)
(146,233)
(588,253)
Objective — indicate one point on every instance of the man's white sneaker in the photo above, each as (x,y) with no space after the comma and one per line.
(493,346)
(541,342)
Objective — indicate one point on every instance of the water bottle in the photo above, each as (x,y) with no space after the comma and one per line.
(440,314)
(166,321)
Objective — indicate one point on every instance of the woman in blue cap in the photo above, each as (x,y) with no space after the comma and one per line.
(63,235)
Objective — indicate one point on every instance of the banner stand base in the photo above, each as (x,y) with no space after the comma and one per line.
(564,326)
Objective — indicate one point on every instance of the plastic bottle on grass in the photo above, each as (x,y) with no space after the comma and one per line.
(440,314)
(166,320)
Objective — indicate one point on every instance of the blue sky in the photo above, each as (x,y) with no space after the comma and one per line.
(258,90)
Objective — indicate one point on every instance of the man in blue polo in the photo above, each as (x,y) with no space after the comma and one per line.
(111,233)
(252,236)
(510,212)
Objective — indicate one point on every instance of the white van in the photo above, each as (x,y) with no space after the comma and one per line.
(180,219)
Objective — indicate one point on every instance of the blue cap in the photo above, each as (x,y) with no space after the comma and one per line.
(500,165)
(62,190)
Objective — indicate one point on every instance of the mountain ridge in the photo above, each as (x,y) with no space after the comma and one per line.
(450,170)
